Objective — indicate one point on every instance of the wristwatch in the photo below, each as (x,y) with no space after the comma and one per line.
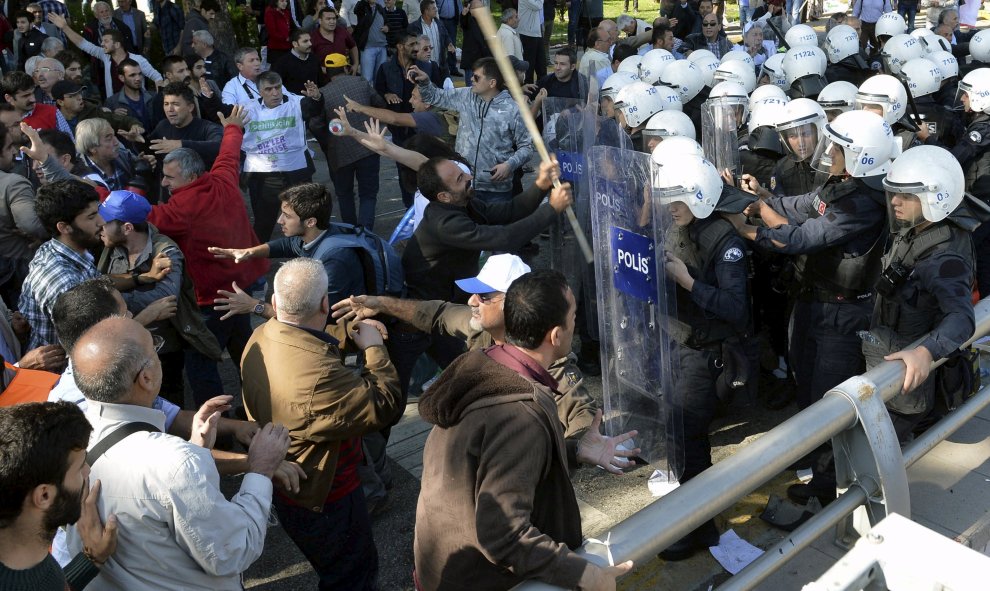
(259,308)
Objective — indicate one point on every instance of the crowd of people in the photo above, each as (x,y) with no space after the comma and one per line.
(138,215)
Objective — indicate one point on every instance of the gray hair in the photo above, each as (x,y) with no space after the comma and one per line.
(32,63)
(942,15)
(51,62)
(243,52)
(52,45)
(88,132)
(623,21)
(203,36)
(112,382)
(300,286)
(269,77)
(507,14)
(101,2)
(189,162)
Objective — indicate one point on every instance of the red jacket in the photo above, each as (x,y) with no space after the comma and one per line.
(42,117)
(210,211)
(277,23)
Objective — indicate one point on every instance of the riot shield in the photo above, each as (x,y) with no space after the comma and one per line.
(638,361)
(569,131)
(720,121)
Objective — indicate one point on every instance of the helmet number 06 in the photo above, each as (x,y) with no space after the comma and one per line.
(867,160)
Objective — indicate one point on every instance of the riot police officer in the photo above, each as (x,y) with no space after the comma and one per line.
(971,150)
(838,235)
(637,102)
(708,261)
(924,289)
(800,129)
(845,62)
(687,80)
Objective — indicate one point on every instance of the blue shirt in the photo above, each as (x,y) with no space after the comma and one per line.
(54,270)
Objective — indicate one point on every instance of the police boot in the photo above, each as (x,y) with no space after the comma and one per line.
(696,541)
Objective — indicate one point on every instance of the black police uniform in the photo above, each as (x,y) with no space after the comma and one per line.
(716,309)
(972,150)
(792,178)
(852,69)
(924,293)
(839,233)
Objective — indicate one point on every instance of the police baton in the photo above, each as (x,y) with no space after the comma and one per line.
(780,36)
(484,19)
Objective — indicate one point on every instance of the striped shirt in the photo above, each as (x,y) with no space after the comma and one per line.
(55,269)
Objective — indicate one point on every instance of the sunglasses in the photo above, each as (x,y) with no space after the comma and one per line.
(488,298)
(709,24)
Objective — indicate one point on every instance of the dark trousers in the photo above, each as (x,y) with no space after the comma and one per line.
(696,401)
(365,171)
(173,387)
(825,349)
(981,248)
(406,345)
(532,53)
(264,188)
(338,542)
(203,372)
(868,33)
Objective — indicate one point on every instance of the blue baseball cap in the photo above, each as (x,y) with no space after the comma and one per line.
(125,206)
(497,275)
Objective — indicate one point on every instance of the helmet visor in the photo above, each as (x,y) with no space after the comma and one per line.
(874,103)
(904,210)
(830,157)
(800,141)
(961,102)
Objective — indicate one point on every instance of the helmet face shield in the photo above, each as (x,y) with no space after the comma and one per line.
(961,101)
(904,210)
(880,104)
(830,157)
(800,141)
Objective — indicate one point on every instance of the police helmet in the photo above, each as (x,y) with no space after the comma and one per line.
(638,102)
(841,42)
(885,92)
(616,82)
(800,128)
(737,71)
(801,35)
(979,46)
(934,176)
(684,77)
(890,24)
(947,63)
(838,96)
(654,61)
(923,77)
(865,141)
(976,85)
(773,70)
(691,180)
(900,49)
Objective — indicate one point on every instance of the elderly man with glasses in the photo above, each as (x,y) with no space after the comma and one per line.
(709,38)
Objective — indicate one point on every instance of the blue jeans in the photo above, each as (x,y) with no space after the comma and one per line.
(908,12)
(573,14)
(744,12)
(371,59)
(365,171)
(203,372)
(824,347)
(338,542)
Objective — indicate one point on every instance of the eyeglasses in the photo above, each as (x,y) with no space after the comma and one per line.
(709,24)
(490,298)
(158,342)
(43,69)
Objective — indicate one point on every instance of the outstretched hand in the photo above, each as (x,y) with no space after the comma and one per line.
(238,117)
(600,450)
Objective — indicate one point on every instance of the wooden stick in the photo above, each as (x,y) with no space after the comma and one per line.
(484,19)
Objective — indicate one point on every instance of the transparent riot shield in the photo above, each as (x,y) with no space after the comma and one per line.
(638,362)
(569,127)
(720,121)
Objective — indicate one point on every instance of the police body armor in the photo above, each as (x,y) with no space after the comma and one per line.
(900,307)
(852,69)
(699,245)
(833,274)
(978,171)
(792,178)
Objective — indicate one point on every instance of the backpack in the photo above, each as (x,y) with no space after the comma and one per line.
(381,265)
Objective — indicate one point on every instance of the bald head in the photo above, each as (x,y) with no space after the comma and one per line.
(115,361)
(611,28)
(301,291)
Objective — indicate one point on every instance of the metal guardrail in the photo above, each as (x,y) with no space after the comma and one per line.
(842,412)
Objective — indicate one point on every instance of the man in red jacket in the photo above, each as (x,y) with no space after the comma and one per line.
(207,209)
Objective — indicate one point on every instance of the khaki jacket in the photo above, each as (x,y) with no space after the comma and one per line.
(293,378)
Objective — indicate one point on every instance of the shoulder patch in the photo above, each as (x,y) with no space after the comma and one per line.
(975,137)
(732,255)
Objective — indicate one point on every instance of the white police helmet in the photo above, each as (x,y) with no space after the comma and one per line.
(886,92)
(654,61)
(930,41)
(890,24)
(947,63)
(803,61)
(684,77)
(700,54)
(838,96)
(631,64)
(739,56)
(668,124)
(691,180)
(737,71)
(932,175)
(841,42)
(674,146)
(616,82)
(979,46)
(976,85)
(766,112)
(638,102)
(801,36)
(767,91)
(900,49)
(800,128)
(865,141)
(923,77)
(707,64)
(773,70)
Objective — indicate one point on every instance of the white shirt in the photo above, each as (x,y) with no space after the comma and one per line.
(177,531)
(239,90)
(431,31)
(146,68)
(510,40)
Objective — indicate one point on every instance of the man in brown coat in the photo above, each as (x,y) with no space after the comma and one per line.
(496,505)
(292,373)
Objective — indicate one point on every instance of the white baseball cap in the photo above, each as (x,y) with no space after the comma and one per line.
(497,275)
